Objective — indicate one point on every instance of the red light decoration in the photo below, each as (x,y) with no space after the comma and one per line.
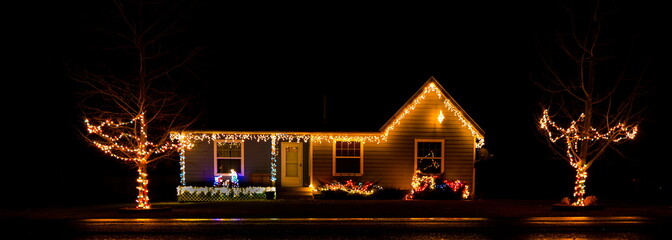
(422,182)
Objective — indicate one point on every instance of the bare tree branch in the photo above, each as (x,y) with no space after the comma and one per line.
(130,111)
(596,109)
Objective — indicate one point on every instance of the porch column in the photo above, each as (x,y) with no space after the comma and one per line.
(274,155)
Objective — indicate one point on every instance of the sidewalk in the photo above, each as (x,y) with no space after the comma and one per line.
(344,209)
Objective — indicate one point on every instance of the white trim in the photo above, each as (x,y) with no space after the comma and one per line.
(310,161)
(473,170)
(415,152)
(242,157)
(361,160)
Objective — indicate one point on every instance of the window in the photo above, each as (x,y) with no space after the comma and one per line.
(348,158)
(229,155)
(429,155)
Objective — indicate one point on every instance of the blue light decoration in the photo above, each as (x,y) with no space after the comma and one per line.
(183,170)
(219,182)
(234,178)
(233,182)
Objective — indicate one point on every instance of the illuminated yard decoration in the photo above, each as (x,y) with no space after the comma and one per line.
(351,187)
(128,141)
(234,178)
(209,194)
(419,183)
(233,182)
(577,136)
(423,183)
(220,182)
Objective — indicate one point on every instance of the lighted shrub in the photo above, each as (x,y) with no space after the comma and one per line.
(349,189)
(427,186)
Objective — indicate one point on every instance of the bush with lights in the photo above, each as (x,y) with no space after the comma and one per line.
(348,189)
(426,186)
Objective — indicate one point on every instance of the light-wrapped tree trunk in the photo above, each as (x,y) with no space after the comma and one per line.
(591,90)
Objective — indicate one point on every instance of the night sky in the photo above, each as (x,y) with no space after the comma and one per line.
(270,67)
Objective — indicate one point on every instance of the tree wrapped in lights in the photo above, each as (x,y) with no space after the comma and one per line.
(593,95)
(583,144)
(131,104)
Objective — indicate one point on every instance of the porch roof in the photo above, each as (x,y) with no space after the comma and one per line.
(363,116)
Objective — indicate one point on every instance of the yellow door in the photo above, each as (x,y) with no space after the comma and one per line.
(292,164)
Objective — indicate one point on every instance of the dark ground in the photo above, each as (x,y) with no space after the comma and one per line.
(344,209)
(343,219)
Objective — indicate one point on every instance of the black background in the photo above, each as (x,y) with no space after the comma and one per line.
(367,60)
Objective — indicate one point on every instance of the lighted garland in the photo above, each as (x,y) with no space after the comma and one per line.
(274,157)
(183,168)
(350,187)
(186,144)
(573,135)
(215,193)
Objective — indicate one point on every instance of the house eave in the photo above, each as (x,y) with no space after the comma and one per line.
(282,135)
(477,131)
(431,85)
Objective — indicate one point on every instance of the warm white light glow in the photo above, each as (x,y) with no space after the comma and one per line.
(576,133)
(187,139)
(128,141)
(447,103)
(440,117)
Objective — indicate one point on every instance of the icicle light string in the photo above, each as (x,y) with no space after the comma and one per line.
(187,139)
(329,137)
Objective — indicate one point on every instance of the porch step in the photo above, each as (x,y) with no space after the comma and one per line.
(296,193)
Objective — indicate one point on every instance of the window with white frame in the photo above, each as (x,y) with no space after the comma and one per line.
(229,154)
(348,159)
(429,155)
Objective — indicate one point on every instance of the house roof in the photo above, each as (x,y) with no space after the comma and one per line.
(431,86)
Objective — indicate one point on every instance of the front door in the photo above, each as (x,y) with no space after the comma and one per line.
(292,164)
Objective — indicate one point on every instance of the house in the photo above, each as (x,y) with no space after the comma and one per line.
(430,133)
